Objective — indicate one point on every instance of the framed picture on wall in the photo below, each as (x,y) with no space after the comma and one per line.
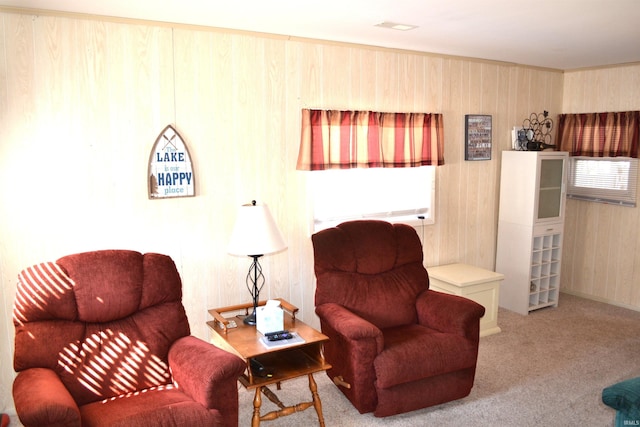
(170,168)
(477,132)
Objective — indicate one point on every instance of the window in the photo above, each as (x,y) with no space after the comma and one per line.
(391,194)
(603,179)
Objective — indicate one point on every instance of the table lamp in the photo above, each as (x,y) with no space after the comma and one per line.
(255,234)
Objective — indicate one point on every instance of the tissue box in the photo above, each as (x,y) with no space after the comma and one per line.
(270,317)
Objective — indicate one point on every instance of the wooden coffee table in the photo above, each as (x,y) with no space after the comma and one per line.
(279,363)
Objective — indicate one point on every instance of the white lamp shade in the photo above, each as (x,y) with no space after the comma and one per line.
(255,232)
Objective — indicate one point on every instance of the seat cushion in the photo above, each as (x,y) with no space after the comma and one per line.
(414,352)
(107,284)
(373,268)
(157,407)
(95,312)
(386,300)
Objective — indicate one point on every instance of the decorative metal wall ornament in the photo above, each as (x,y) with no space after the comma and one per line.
(170,169)
(535,134)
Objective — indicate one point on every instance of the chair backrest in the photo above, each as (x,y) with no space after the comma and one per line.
(103,320)
(373,268)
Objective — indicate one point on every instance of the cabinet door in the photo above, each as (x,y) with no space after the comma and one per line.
(551,189)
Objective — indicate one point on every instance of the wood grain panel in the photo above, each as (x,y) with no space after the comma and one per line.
(623,248)
(84,100)
(339,76)
(386,81)
(16,117)
(602,260)
(449,185)
(407,83)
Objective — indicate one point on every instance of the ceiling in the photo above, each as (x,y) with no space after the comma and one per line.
(559,34)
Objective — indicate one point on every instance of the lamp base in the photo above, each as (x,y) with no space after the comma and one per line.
(250,319)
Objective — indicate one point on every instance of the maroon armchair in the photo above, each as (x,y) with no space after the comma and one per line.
(102,339)
(395,346)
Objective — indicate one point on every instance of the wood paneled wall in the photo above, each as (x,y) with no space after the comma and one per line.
(83,99)
(601,256)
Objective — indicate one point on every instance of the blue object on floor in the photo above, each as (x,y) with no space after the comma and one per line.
(624,397)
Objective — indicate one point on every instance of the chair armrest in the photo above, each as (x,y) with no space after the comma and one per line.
(450,313)
(205,372)
(353,345)
(349,325)
(41,399)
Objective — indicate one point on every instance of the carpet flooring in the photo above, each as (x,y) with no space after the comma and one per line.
(544,369)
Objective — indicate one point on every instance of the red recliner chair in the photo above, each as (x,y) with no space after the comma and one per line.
(102,339)
(395,346)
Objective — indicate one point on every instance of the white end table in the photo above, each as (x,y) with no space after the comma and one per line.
(477,284)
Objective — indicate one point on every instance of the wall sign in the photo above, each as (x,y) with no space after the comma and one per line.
(477,137)
(170,170)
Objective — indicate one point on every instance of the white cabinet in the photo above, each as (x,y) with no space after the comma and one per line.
(530,228)
(474,283)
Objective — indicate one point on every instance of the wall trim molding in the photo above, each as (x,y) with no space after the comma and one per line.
(600,299)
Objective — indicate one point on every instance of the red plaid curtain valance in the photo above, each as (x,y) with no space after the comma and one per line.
(600,134)
(334,139)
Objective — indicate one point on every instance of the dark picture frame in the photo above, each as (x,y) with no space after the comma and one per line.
(477,132)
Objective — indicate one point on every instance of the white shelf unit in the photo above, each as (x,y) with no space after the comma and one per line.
(545,270)
(530,228)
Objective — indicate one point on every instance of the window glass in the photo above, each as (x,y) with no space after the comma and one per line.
(603,179)
(391,194)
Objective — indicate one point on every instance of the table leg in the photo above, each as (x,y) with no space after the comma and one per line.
(272,397)
(316,399)
(257,402)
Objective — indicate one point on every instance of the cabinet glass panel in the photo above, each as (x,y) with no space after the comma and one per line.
(550,191)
